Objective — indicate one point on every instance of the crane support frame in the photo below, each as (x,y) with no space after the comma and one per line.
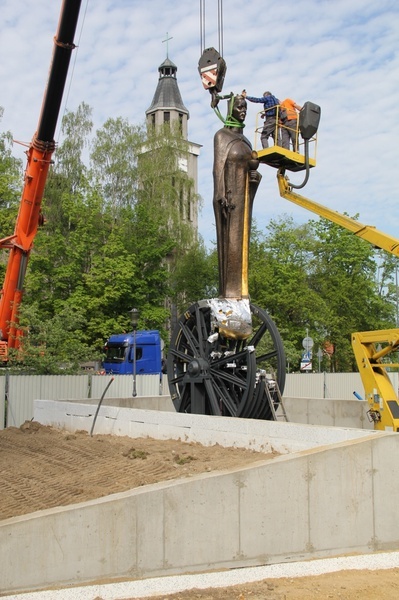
(379,391)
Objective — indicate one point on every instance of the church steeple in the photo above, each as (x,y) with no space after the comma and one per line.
(167,107)
(167,104)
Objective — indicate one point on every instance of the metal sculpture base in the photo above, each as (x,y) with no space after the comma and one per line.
(231,318)
(209,373)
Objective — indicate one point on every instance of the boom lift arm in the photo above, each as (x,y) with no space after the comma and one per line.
(366,232)
(39,159)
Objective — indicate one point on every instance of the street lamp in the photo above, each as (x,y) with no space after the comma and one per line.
(134,317)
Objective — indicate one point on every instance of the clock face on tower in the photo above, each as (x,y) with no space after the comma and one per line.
(183,164)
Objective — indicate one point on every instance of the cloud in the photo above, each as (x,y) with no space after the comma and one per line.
(341,55)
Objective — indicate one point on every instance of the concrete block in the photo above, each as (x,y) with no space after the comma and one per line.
(327,412)
(66,545)
(385,491)
(160,403)
(274,519)
(150,528)
(250,433)
(340,497)
(322,414)
(297,410)
(202,524)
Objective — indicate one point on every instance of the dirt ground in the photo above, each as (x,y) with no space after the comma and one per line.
(41,467)
(344,585)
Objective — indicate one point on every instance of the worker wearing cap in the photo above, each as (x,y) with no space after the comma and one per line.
(270,128)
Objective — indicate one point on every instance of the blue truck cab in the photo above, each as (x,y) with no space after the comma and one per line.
(119,352)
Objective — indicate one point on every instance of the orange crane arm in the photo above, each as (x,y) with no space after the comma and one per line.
(39,160)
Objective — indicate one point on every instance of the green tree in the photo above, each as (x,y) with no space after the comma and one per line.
(279,282)
(318,277)
(10,190)
(61,253)
(69,161)
(388,279)
(344,273)
(50,347)
(194,276)
(113,162)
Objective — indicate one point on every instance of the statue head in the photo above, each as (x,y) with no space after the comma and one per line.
(238,108)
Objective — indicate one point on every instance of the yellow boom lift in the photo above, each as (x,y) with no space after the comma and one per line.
(372,349)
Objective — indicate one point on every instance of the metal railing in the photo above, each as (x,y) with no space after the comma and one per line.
(278,127)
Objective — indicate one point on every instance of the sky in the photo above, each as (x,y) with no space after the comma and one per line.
(341,55)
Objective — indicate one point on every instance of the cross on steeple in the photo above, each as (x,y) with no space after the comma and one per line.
(167,45)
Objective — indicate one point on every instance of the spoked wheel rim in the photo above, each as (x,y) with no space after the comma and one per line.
(210,374)
(270,360)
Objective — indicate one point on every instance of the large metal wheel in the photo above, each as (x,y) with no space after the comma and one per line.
(211,374)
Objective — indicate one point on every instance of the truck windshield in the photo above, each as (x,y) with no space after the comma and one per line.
(114,354)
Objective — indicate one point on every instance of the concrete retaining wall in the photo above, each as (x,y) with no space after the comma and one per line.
(330,413)
(323,501)
(160,403)
(204,429)
(312,411)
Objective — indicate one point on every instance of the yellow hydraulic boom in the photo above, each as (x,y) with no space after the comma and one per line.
(366,232)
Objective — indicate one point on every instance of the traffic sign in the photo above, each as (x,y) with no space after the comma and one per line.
(306,365)
(307,343)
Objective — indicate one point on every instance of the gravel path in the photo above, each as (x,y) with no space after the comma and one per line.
(148,588)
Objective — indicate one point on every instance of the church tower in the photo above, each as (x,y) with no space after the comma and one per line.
(167,107)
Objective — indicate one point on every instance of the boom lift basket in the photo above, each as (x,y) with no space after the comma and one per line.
(306,129)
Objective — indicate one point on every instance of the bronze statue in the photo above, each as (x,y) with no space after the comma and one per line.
(235,184)
(236,181)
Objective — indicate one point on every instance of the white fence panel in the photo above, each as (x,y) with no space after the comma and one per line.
(63,387)
(122,385)
(339,386)
(300,385)
(323,385)
(342,385)
(24,389)
(394,377)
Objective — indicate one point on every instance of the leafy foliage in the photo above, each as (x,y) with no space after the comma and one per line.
(320,278)
(51,347)
(113,161)
(194,277)
(10,193)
